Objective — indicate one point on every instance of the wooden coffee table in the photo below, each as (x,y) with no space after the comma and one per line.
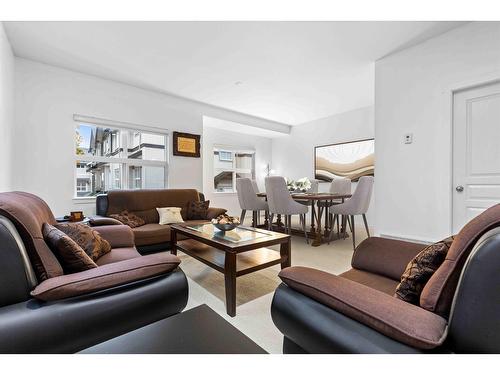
(234,253)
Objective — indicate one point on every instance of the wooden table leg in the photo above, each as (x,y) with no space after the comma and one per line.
(326,232)
(279,223)
(313,217)
(317,238)
(173,241)
(286,253)
(230,282)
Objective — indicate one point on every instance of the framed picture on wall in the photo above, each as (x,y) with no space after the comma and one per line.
(186,144)
(345,160)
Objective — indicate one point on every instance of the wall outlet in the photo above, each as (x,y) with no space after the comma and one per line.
(408,138)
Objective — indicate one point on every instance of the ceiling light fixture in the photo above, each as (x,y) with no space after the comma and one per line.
(238,83)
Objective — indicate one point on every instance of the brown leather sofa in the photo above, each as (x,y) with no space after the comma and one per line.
(356,312)
(151,237)
(44,310)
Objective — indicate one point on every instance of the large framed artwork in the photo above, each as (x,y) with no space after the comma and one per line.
(345,160)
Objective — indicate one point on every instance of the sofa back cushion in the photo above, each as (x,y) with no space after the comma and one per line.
(143,203)
(28,213)
(438,293)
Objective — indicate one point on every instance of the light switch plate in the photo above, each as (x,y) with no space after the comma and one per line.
(408,138)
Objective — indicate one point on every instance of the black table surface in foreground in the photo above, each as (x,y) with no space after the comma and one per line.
(197,331)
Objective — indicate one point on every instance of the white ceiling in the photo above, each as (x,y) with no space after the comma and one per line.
(290,72)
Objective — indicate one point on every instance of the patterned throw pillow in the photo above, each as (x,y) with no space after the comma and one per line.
(197,210)
(420,269)
(70,255)
(128,218)
(87,238)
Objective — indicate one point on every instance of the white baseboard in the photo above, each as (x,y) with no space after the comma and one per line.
(424,241)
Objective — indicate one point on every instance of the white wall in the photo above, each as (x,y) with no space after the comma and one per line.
(293,155)
(211,137)
(412,92)
(46,99)
(6,109)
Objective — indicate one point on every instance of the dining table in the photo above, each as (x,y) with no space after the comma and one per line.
(317,211)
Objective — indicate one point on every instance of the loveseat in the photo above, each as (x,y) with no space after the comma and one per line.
(357,312)
(43,309)
(152,236)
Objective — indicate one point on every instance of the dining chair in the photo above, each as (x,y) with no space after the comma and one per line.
(357,205)
(306,202)
(281,203)
(340,186)
(257,191)
(248,199)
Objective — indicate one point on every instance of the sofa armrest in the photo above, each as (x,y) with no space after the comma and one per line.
(97,220)
(388,315)
(117,235)
(106,276)
(213,212)
(384,256)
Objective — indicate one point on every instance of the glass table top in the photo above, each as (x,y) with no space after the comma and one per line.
(238,234)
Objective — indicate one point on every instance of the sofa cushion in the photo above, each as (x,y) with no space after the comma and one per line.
(381,283)
(68,252)
(144,202)
(197,210)
(151,234)
(103,220)
(89,239)
(117,235)
(105,277)
(438,293)
(128,218)
(384,256)
(390,316)
(214,212)
(420,269)
(28,213)
(117,255)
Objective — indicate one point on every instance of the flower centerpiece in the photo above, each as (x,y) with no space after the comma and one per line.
(290,184)
(303,184)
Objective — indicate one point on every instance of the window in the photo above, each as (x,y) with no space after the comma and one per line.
(230,165)
(110,158)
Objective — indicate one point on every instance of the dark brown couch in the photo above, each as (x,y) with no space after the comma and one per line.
(356,312)
(152,236)
(45,310)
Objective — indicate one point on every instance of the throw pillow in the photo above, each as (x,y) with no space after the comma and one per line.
(420,269)
(70,255)
(128,218)
(197,210)
(170,215)
(87,238)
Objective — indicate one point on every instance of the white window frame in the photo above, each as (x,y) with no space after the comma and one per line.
(234,151)
(125,162)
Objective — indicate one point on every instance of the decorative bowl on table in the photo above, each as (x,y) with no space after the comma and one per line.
(225,222)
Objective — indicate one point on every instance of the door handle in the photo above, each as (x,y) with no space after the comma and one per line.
(459,188)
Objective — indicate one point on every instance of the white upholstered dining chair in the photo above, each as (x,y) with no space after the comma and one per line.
(358,204)
(248,199)
(281,203)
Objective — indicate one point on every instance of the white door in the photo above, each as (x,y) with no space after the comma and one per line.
(476,152)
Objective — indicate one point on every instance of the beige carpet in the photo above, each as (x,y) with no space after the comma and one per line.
(248,287)
(254,291)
